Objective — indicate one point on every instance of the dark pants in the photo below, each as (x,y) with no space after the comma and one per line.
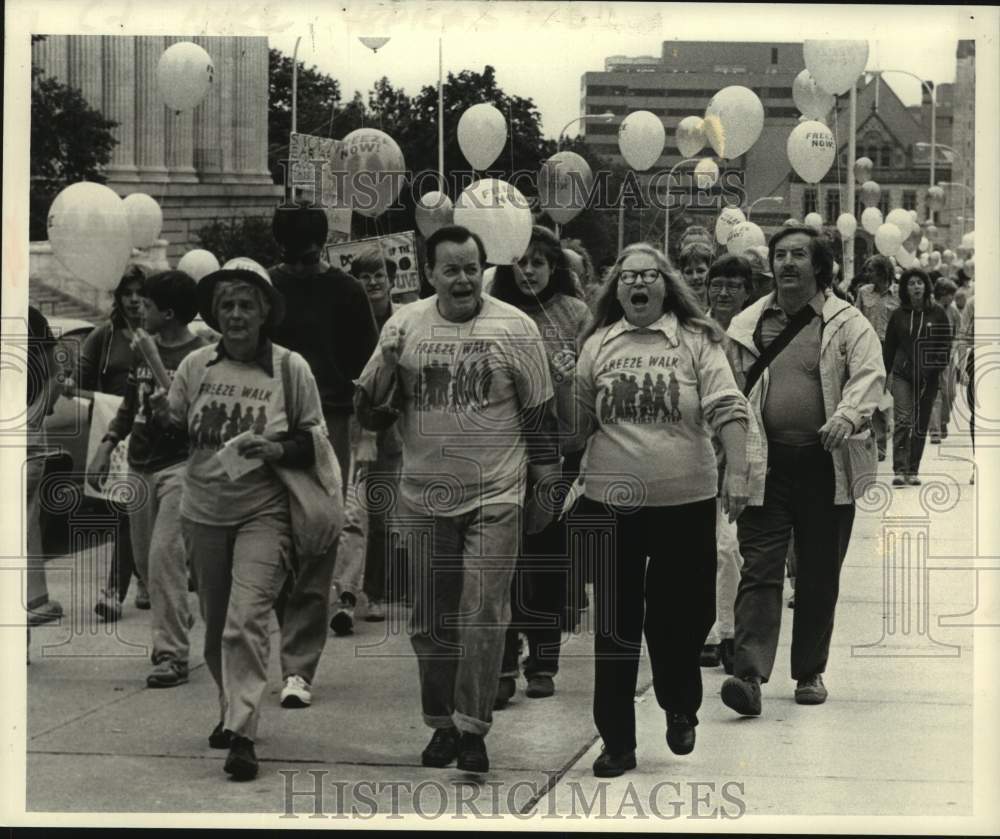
(913,402)
(122,559)
(674,593)
(970,394)
(798,503)
(545,582)
(381,488)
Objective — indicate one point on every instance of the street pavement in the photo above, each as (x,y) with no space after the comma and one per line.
(894,739)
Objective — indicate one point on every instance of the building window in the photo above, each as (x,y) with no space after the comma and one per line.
(909,199)
(885,157)
(810,200)
(832,204)
(774,55)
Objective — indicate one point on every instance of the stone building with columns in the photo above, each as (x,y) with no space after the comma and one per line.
(200,165)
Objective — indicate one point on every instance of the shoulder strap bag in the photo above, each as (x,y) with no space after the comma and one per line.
(799,321)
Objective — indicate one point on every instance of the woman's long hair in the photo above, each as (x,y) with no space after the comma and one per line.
(543,241)
(678,298)
(133,275)
(904,289)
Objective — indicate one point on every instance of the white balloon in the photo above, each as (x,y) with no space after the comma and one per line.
(198,263)
(482,134)
(375,171)
(810,98)
(835,65)
(706,173)
(499,214)
(925,260)
(863,167)
(935,197)
(900,218)
(888,239)
(814,220)
(690,136)
(744,236)
(811,150)
(245,263)
(935,258)
(870,193)
(640,139)
(728,219)
(145,219)
(734,119)
(905,258)
(374,44)
(89,233)
(847,225)
(924,245)
(564,183)
(433,211)
(184,74)
(871,219)
(914,218)
(969,240)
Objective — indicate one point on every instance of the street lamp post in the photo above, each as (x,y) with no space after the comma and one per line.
(666,203)
(777,199)
(607,116)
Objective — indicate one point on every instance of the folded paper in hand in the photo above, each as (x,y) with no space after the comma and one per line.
(233,462)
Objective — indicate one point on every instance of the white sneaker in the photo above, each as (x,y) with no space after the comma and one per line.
(295,693)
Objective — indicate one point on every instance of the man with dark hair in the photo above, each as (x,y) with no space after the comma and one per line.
(329,322)
(877,299)
(157,459)
(811,366)
(465,463)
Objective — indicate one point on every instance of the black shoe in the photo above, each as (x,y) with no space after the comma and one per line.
(505,690)
(539,687)
(442,749)
(242,761)
(709,655)
(220,738)
(472,755)
(742,695)
(608,765)
(342,622)
(680,733)
(727,652)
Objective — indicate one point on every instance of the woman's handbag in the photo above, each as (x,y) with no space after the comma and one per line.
(315,497)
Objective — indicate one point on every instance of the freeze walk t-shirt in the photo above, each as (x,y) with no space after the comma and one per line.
(219,398)
(655,395)
(463,388)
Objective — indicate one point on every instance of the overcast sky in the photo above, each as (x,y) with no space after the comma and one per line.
(540,50)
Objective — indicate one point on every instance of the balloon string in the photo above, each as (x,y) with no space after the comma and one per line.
(836,143)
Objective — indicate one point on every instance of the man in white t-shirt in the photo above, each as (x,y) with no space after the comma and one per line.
(466,377)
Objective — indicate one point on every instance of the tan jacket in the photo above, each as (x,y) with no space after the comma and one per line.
(853,379)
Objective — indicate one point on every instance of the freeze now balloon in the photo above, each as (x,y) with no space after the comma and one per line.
(433,211)
(184,74)
(145,219)
(811,150)
(482,134)
(498,213)
(198,263)
(811,100)
(564,182)
(640,139)
(744,236)
(835,65)
(89,233)
(690,136)
(734,119)
(726,222)
(375,171)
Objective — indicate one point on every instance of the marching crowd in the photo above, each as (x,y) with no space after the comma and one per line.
(678,438)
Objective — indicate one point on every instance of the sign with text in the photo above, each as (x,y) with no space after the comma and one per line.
(399,249)
(313,161)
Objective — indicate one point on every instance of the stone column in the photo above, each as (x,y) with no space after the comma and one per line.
(207,146)
(225,75)
(119,104)
(261,66)
(244,130)
(86,68)
(179,132)
(52,56)
(150,112)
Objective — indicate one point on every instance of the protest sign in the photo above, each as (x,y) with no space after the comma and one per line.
(399,250)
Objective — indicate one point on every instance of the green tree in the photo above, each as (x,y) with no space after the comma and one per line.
(70,142)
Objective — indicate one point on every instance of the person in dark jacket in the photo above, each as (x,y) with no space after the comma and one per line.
(329,322)
(915,351)
(105,362)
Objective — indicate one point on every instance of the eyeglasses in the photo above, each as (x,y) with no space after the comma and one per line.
(721,285)
(649,276)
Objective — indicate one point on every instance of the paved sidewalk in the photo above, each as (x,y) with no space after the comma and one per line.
(895,738)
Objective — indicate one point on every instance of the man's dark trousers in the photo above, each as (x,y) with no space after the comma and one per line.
(798,502)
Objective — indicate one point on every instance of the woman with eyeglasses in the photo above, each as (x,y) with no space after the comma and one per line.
(650,484)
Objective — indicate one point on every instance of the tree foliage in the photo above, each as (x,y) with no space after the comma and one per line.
(70,142)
